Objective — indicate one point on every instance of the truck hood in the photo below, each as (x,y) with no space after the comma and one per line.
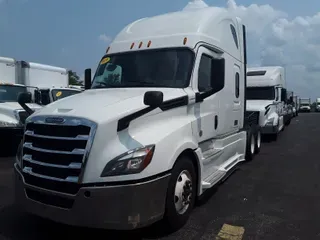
(104,105)
(11,106)
(258,105)
(7,110)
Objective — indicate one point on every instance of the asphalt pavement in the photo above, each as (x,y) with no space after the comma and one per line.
(275,196)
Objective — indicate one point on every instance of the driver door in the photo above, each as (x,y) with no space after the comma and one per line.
(209,75)
(209,79)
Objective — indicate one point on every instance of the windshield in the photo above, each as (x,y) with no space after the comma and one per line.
(62,93)
(10,93)
(261,93)
(151,68)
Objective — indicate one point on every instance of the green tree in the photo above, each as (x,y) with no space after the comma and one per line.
(73,78)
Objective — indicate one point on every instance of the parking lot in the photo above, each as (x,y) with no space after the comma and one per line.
(276,196)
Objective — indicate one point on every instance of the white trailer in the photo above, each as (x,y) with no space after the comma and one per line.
(266,93)
(53,82)
(305,104)
(163,120)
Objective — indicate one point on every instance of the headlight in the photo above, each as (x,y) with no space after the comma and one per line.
(9,124)
(19,154)
(270,121)
(133,161)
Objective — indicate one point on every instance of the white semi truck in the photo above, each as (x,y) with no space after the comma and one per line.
(317,109)
(305,104)
(46,83)
(266,93)
(163,120)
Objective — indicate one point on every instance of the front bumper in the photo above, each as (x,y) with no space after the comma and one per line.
(304,110)
(121,207)
(269,129)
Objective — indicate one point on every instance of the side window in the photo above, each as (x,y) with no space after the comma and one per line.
(211,74)
(237,85)
(204,74)
(277,93)
(45,98)
(234,34)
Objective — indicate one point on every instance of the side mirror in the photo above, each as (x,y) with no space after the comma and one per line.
(24,98)
(87,78)
(37,96)
(290,101)
(153,99)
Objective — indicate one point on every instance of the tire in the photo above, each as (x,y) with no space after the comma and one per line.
(182,173)
(257,141)
(251,145)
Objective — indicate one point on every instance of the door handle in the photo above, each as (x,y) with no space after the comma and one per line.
(215,121)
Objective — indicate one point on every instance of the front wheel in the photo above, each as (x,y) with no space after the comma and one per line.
(181,194)
(251,145)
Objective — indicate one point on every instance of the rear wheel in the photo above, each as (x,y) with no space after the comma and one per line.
(181,194)
(251,145)
(258,142)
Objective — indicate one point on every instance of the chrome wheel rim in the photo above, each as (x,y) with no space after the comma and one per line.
(183,192)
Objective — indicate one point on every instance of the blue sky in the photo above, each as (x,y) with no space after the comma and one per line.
(66,32)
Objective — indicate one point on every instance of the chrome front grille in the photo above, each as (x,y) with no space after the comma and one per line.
(54,155)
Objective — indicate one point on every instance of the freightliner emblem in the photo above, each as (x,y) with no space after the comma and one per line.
(57,120)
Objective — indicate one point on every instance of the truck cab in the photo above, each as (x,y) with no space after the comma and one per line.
(266,93)
(163,120)
(305,105)
(49,95)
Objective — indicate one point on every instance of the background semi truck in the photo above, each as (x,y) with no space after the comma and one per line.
(46,83)
(266,93)
(12,115)
(305,104)
(163,121)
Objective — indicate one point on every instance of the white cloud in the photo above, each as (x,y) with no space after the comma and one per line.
(275,39)
(292,43)
(104,37)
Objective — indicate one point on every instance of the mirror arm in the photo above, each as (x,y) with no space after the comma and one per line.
(203,95)
(26,108)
